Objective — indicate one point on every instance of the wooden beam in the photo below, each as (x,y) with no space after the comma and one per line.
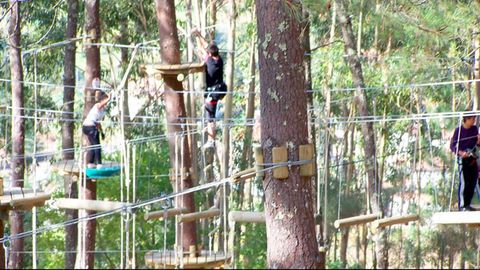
(165,213)
(199,215)
(456,218)
(356,220)
(386,222)
(246,217)
(29,202)
(280,155)
(243,175)
(92,205)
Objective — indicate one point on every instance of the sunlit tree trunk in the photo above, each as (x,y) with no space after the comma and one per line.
(68,125)
(175,111)
(18,131)
(288,202)
(92,70)
(374,186)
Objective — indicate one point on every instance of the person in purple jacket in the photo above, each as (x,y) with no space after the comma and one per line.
(463,144)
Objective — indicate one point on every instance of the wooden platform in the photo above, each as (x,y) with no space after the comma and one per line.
(22,199)
(157,70)
(157,260)
(71,167)
(456,218)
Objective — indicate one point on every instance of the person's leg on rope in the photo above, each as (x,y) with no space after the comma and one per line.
(210,109)
(98,150)
(89,131)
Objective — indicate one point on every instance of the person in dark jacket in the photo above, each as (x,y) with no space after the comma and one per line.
(463,144)
(215,88)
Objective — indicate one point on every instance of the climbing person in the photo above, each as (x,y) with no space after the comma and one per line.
(215,88)
(463,144)
(92,128)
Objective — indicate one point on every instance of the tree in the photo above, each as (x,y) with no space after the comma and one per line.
(175,111)
(18,130)
(288,203)
(71,189)
(367,127)
(92,70)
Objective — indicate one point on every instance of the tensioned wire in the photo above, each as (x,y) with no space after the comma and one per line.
(196,91)
(134,206)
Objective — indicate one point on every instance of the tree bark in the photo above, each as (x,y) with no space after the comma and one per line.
(18,131)
(374,185)
(213,18)
(175,110)
(71,189)
(230,70)
(288,202)
(92,70)
(476,75)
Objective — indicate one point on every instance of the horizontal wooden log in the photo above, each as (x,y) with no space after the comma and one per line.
(246,217)
(30,202)
(255,217)
(168,213)
(164,69)
(456,218)
(356,220)
(199,215)
(386,222)
(243,175)
(91,205)
(22,199)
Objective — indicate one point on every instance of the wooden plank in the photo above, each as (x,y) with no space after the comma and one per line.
(306,152)
(356,220)
(280,155)
(386,222)
(205,260)
(246,217)
(168,213)
(163,69)
(30,201)
(199,215)
(243,175)
(456,218)
(92,205)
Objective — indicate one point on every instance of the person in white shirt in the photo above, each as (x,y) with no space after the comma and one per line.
(92,129)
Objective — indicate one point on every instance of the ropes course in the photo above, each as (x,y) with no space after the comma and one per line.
(134,171)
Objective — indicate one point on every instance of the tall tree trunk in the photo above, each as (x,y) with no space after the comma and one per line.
(213,18)
(92,70)
(367,128)
(250,111)
(288,202)
(18,131)
(230,70)
(359,32)
(175,110)
(71,188)
(476,76)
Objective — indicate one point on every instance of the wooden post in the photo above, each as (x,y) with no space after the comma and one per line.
(280,155)
(306,152)
(90,205)
(192,249)
(246,217)
(347,222)
(199,215)
(165,213)
(385,222)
